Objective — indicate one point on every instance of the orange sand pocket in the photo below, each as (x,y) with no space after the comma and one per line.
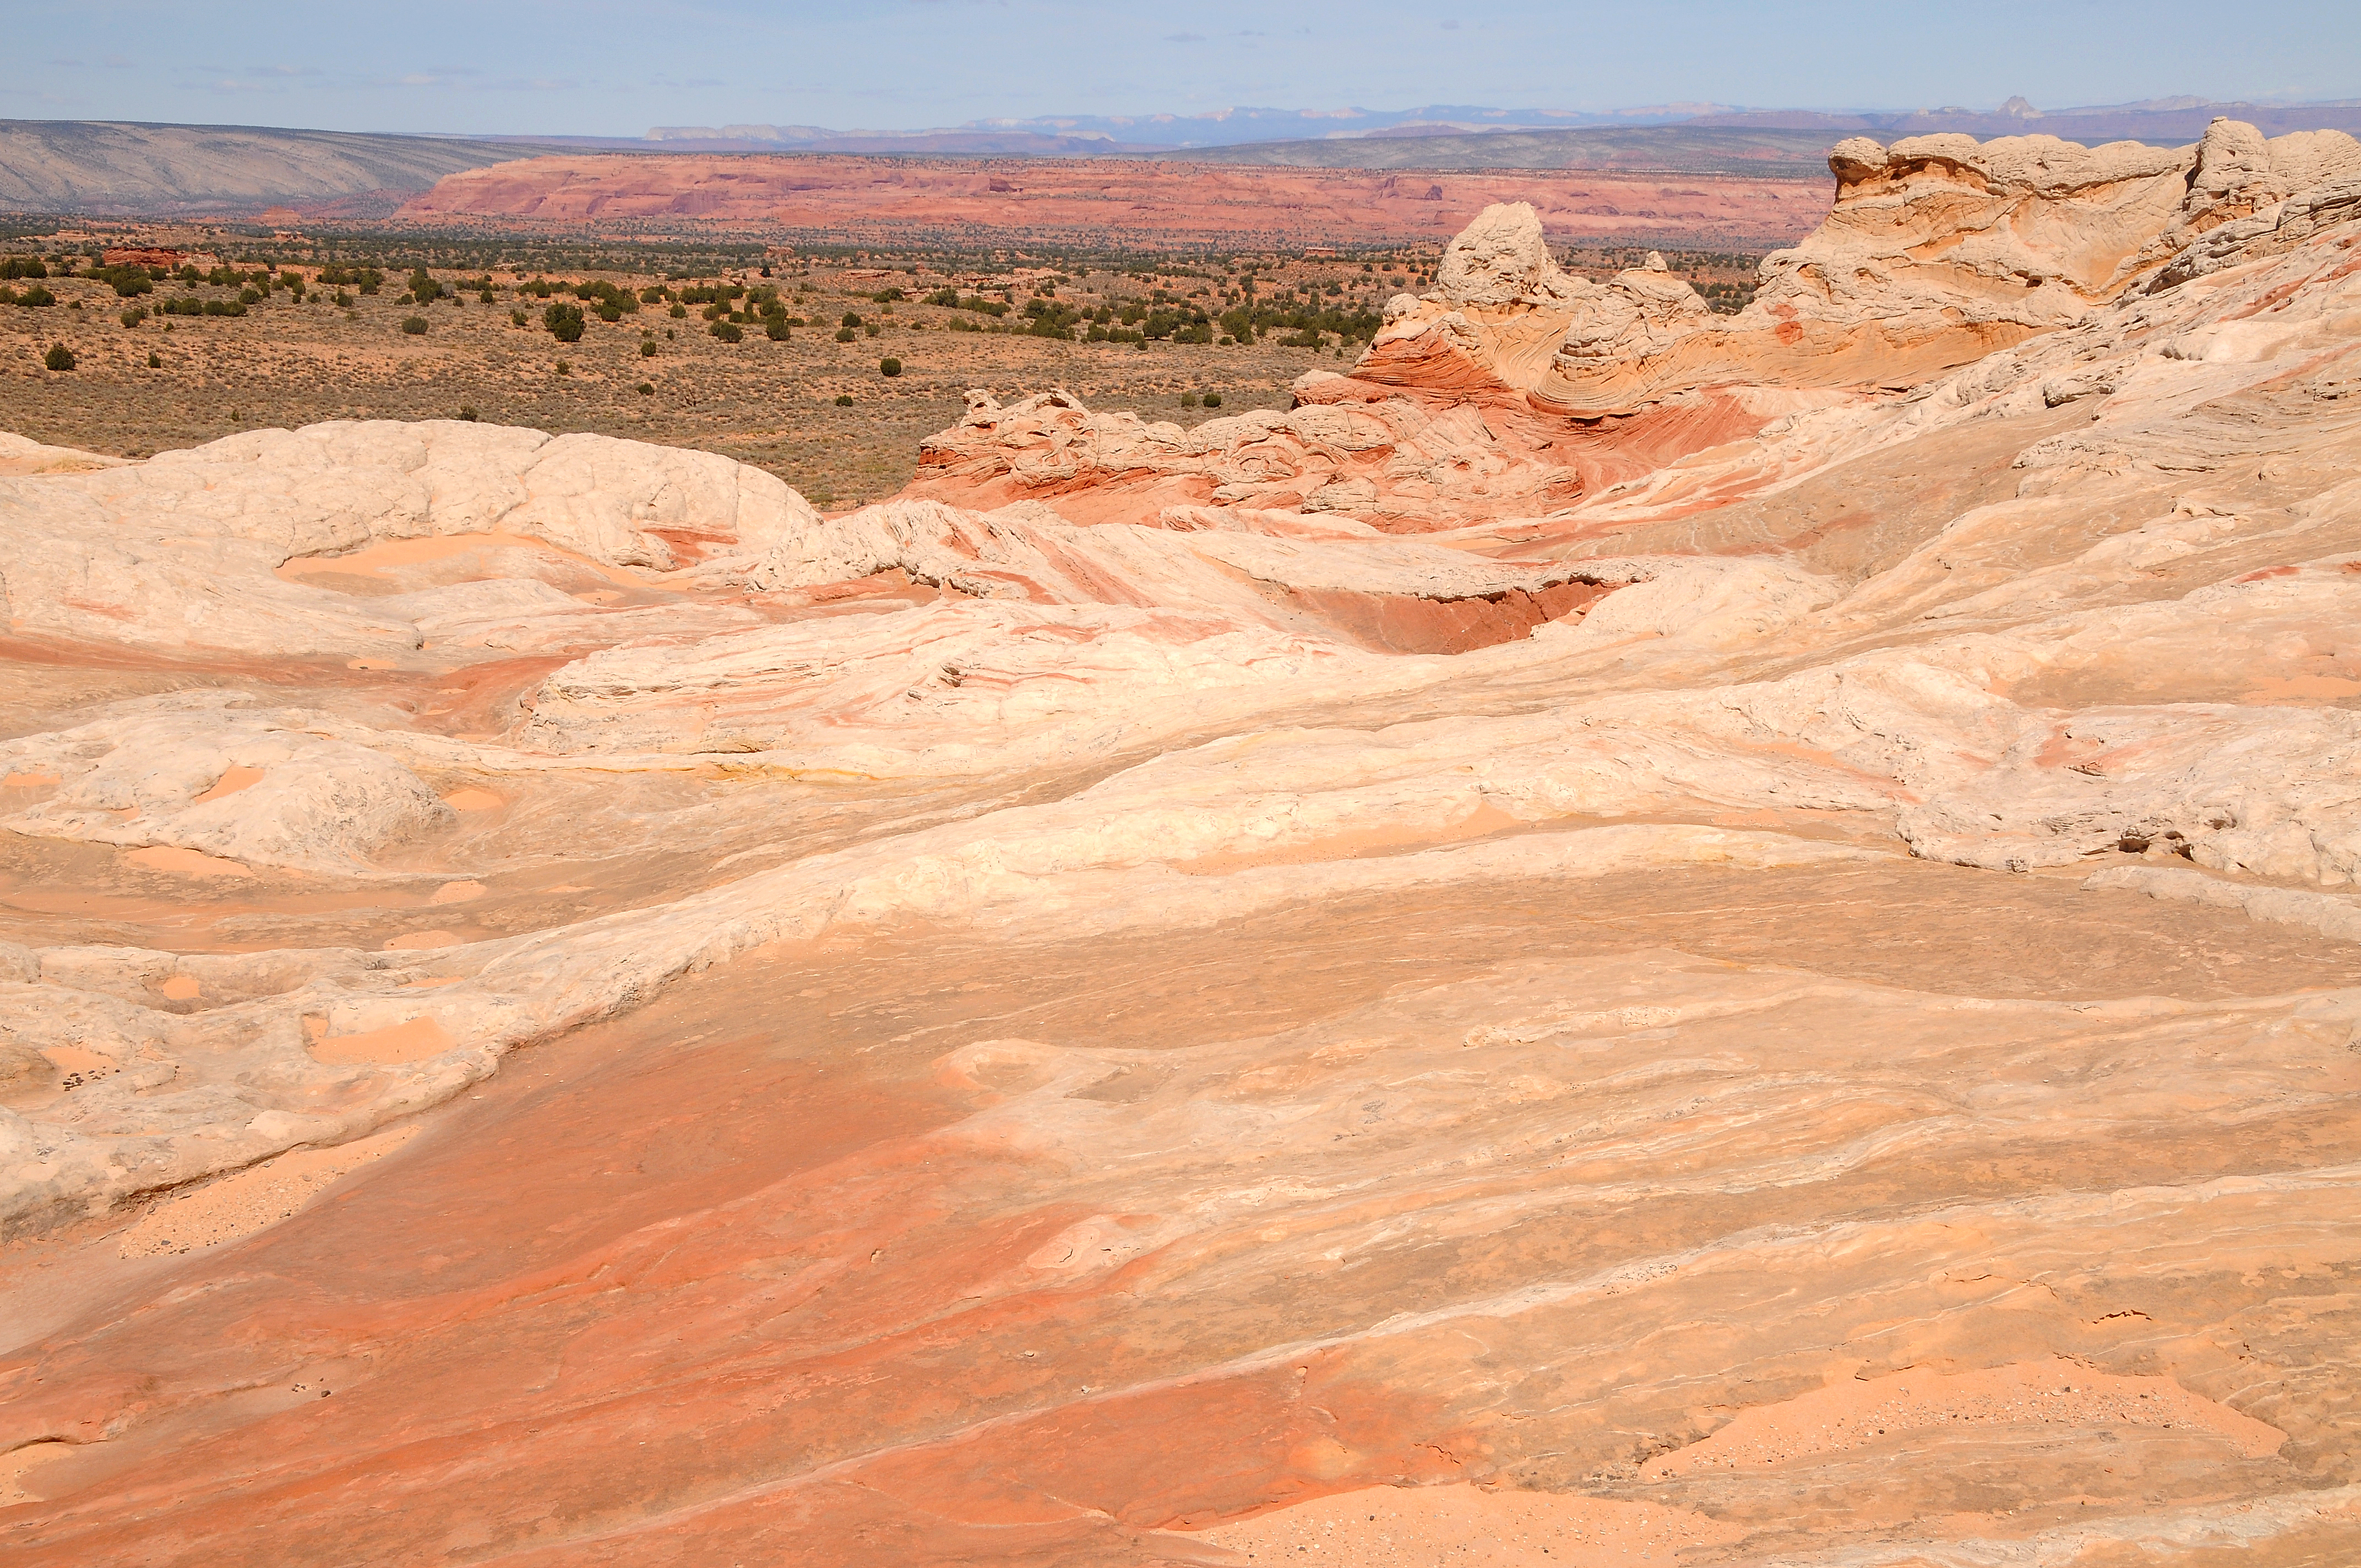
(414,1041)
(230,783)
(256,1197)
(19,1466)
(1357,843)
(1853,1415)
(457,893)
(2304,688)
(182,988)
(473,800)
(420,939)
(188,862)
(374,560)
(1384,1526)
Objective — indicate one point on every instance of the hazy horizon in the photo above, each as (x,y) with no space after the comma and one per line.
(606,70)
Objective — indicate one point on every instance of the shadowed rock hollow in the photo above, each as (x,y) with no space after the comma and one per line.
(1627,932)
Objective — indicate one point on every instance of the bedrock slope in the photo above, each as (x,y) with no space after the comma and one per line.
(1772,969)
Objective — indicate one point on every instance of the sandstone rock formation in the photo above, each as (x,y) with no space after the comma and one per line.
(1940,250)
(1761,969)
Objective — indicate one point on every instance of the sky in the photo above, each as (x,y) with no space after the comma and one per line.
(605,68)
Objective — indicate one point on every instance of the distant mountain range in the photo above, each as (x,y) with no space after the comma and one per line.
(1101,135)
(143,170)
(1312,135)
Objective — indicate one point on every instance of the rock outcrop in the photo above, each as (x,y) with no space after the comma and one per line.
(1739,929)
(1940,250)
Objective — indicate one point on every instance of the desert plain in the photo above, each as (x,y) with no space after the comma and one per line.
(1586,926)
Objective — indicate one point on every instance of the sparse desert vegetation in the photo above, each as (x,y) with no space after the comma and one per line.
(826,369)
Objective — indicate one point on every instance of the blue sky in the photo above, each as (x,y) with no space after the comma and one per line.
(600,67)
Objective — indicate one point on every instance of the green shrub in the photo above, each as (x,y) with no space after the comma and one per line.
(728,332)
(15,266)
(37,295)
(678,312)
(887,296)
(566,368)
(844,400)
(651,295)
(1187,400)
(516,318)
(776,328)
(467,412)
(605,296)
(607,312)
(423,288)
(850,320)
(249,296)
(845,334)
(1213,400)
(564,322)
(414,325)
(344,300)
(647,389)
(889,366)
(155,361)
(59,358)
(647,348)
(128,282)
(133,316)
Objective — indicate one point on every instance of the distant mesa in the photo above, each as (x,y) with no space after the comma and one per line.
(824,200)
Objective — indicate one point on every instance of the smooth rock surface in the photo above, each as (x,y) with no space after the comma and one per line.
(1626,933)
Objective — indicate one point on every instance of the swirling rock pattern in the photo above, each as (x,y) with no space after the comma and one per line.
(1626,933)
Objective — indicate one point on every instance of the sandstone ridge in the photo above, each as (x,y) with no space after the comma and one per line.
(1940,250)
